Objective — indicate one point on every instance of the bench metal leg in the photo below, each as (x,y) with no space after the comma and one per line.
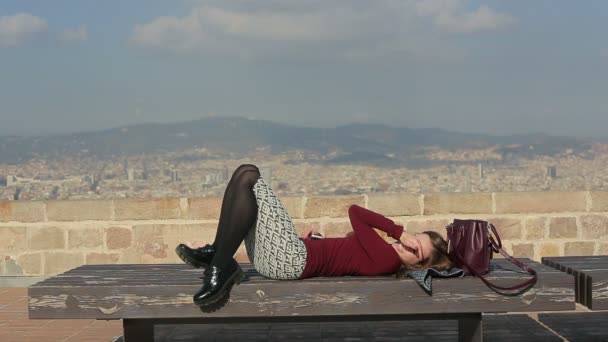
(470,328)
(138,330)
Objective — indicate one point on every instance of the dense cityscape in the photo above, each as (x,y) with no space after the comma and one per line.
(204,173)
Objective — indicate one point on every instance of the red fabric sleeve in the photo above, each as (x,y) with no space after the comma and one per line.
(363,220)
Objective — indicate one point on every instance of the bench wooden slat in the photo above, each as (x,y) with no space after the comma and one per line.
(596,289)
(591,278)
(165,291)
(178,274)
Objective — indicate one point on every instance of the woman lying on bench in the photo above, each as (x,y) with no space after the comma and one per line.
(252,212)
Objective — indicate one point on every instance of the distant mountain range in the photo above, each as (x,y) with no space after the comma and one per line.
(356,142)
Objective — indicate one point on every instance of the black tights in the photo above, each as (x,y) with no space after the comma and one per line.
(239,212)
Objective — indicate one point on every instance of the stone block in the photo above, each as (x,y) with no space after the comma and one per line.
(130,256)
(523,250)
(118,237)
(102,258)
(394,204)
(599,201)
(85,237)
(241,255)
(331,206)
(294,206)
(191,231)
(12,239)
(146,231)
(508,228)
(594,226)
(602,248)
(419,226)
(43,238)
(303,226)
(203,208)
(155,248)
(146,209)
(579,248)
(58,262)
(11,268)
(80,210)
(336,229)
(156,242)
(30,263)
(563,227)
(22,211)
(536,228)
(457,203)
(540,202)
(550,249)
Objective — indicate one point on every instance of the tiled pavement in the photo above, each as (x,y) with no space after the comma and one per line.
(16,327)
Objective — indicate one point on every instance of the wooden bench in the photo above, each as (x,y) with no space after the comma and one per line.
(590,276)
(147,295)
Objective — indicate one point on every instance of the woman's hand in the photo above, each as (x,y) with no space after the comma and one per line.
(411,243)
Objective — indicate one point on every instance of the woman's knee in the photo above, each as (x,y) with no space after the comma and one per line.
(241,169)
(248,177)
(249,167)
(244,167)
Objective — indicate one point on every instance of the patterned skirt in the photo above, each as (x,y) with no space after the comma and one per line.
(273,245)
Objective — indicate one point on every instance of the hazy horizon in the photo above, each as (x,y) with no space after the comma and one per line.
(330,126)
(490,67)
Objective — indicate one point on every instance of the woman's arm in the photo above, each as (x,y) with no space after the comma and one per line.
(363,220)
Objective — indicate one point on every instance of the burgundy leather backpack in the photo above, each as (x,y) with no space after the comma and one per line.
(471,247)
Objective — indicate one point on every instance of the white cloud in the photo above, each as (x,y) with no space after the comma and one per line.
(170,32)
(482,19)
(452,16)
(18,28)
(75,36)
(207,25)
(349,27)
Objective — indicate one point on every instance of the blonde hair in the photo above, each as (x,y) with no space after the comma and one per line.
(438,259)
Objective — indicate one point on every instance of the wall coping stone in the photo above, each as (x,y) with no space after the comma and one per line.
(309,207)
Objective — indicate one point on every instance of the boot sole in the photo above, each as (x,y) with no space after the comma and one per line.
(188,260)
(235,279)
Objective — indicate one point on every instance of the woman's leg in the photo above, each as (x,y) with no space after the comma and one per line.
(239,212)
(229,199)
(202,256)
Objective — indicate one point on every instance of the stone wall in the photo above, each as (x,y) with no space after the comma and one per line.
(48,237)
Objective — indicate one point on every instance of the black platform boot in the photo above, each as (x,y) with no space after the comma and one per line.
(196,257)
(217,283)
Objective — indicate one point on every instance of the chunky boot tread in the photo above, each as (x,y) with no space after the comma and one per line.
(234,279)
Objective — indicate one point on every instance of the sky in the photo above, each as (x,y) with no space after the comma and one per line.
(494,67)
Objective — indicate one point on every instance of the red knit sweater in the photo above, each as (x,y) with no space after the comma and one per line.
(362,253)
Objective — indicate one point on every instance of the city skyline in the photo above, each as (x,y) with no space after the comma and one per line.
(491,67)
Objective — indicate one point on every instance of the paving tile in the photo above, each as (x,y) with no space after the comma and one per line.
(16,326)
(579,326)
